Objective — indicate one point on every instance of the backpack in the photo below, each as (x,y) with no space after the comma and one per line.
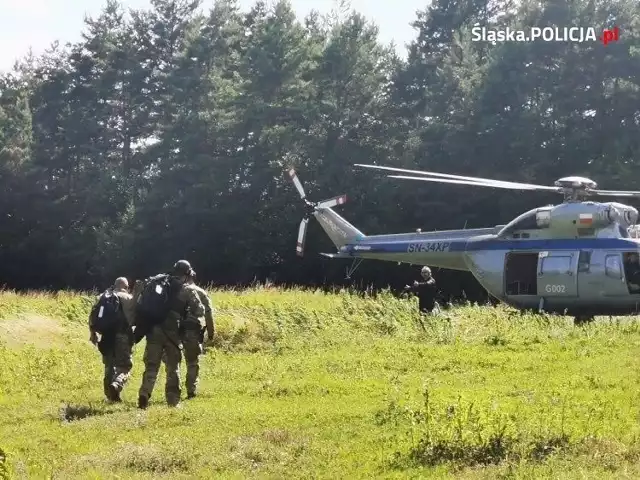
(154,302)
(107,313)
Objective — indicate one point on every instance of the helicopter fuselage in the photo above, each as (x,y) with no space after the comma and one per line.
(569,259)
(576,277)
(574,258)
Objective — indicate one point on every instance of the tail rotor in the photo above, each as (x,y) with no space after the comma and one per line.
(302,230)
(312,207)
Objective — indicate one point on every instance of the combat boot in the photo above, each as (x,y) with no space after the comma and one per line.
(143,402)
(114,393)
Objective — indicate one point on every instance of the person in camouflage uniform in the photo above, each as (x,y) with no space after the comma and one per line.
(117,349)
(164,339)
(193,337)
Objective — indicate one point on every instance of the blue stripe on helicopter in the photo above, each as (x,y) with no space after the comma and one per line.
(476,245)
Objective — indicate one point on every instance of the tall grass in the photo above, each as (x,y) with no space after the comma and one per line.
(303,383)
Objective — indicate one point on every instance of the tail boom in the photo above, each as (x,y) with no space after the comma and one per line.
(442,254)
(443,249)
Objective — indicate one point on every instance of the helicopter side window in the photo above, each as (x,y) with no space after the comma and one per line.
(612,266)
(559,265)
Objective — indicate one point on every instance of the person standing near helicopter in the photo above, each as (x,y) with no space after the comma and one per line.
(427,292)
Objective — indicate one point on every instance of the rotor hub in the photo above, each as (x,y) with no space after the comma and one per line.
(576,183)
(310,208)
(575,187)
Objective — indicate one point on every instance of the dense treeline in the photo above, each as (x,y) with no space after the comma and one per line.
(165,133)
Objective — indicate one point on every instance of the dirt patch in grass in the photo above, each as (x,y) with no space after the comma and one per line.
(36,330)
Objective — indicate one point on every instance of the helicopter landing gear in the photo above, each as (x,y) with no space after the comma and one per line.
(582,319)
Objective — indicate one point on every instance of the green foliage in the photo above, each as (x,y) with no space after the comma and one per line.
(165,132)
(308,384)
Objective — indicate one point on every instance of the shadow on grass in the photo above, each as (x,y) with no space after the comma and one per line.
(71,413)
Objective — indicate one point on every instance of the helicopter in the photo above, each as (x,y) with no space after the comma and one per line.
(578,258)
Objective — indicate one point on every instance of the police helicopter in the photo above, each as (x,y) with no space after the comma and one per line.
(577,258)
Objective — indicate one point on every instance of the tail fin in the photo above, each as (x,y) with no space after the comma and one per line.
(339,230)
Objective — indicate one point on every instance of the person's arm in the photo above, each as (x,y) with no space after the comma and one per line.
(93,336)
(208,315)
(194,304)
(413,288)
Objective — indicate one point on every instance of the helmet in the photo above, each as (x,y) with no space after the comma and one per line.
(121,283)
(425,271)
(182,267)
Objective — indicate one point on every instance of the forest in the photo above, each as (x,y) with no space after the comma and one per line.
(166,133)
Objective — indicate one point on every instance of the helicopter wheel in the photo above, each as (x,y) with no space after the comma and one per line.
(582,319)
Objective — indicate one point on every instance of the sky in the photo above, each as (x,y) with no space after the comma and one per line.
(38,23)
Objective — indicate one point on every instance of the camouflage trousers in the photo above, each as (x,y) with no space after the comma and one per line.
(117,359)
(162,345)
(192,341)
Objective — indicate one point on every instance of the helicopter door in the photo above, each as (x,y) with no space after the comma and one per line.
(557,274)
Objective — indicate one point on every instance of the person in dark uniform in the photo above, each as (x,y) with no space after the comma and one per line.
(427,292)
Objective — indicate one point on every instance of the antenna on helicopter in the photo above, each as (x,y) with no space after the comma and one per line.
(573,188)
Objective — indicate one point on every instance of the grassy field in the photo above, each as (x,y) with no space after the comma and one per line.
(313,385)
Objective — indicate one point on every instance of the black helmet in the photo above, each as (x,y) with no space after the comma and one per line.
(182,267)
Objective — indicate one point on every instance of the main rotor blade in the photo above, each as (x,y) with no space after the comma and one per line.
(332,202)
(475,180)
(302,234)
(616,193)
(297,183)
(521,186)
